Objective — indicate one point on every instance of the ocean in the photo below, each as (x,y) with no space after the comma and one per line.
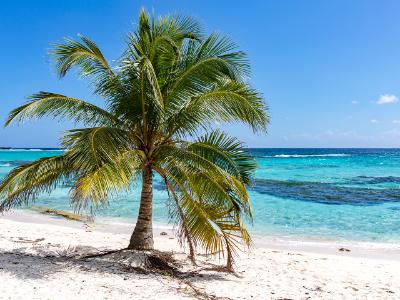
(324,194)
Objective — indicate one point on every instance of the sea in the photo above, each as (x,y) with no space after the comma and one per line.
(324,194)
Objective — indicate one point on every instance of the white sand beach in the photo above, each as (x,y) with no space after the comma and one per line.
(38,261)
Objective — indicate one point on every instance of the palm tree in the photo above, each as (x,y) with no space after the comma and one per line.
(162,99)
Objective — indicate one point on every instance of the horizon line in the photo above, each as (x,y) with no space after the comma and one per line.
(59,148)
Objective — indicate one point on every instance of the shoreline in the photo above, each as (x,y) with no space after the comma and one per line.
(374,250)
(38,259)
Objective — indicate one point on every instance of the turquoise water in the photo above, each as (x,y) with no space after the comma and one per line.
(351,194)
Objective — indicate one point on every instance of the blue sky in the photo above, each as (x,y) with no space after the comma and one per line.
(329,70)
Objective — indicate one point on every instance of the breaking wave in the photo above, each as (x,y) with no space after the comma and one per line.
(307,155)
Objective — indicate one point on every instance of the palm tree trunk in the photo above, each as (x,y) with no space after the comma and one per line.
(142,236)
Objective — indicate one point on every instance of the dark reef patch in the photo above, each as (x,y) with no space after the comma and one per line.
(374,180)
(14,163)
(326,193)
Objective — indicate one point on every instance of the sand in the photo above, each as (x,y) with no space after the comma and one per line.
(38,261)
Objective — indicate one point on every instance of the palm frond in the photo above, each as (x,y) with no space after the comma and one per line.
(152,102)
(90,148)
(85,55)
(201,64)
(90,61)
(24,183)
(218,188)
(225,101)
(227,153)
(60,106)
(177,28)
(214,228)
(94,188)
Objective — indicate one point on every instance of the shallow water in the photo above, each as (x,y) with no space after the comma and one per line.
(351,194)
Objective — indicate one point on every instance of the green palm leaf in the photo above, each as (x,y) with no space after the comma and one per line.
(56,105)
(86,55)
(94,188)
(89,148)
(26,182)
(225,101)
(228,153)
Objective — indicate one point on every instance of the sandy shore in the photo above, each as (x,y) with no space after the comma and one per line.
(38,261)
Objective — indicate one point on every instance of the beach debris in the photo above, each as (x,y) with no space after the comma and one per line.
(69,252)
(315,289)
(145,261)
(22,240)
(60,213)
(344,250)
(88,227)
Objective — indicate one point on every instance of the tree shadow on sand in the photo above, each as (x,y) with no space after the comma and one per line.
(39,261)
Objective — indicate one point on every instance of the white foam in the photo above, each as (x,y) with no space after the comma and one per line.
(309,155)
(32,149)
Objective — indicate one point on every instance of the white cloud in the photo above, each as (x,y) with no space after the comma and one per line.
(387,99)
(374,121)
(354,102)
(396,121)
